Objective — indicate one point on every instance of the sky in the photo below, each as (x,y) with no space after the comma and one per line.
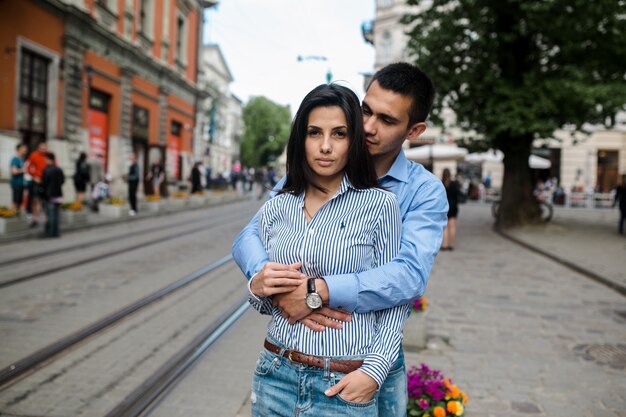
(262,39)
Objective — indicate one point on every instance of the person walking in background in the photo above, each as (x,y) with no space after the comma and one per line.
(52,184)
(156,175)
(35,164)
(196,178)
(133,183)
(452,193)
(81,177)
(17,176)
(620,196)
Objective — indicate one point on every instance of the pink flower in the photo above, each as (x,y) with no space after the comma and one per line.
(423,403)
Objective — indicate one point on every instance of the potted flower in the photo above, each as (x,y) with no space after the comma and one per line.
(415,326)
(113,207)
(151,203)
(73,213)
(433,395)
(10,221)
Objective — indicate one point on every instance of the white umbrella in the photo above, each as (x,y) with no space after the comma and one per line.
(427,153)
(534,161)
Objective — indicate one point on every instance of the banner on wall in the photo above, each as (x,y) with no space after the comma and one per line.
(98,122)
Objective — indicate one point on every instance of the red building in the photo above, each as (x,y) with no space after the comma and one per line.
(105,77)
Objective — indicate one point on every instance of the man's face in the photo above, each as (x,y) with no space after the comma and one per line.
(42,147)
(21,151)
(386,120)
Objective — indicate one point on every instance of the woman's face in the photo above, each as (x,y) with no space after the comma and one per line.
(327,142)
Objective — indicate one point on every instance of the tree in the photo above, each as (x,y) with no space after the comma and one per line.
(266,131)
(517,70)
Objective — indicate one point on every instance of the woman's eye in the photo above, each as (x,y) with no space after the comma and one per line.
(313,132)
(341,133)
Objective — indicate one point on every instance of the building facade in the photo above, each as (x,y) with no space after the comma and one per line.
(220,115)
(105,77)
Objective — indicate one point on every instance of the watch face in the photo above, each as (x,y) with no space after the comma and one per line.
(313,300)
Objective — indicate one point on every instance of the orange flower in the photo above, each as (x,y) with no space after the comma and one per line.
(439,412)
(465,398)
(454,391)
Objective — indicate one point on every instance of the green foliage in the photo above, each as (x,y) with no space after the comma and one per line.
(267,126)
(515,70)
(512,68)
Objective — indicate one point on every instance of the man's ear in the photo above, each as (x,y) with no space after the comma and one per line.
(415,131)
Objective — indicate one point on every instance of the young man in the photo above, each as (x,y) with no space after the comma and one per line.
(36,163)
(395,108)
(52,183)
(17,176)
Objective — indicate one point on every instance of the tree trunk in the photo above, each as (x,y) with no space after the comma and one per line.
(518,205)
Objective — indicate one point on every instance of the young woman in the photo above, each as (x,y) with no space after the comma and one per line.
(331,217)
(452,192)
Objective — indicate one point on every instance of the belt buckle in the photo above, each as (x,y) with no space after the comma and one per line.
(289,356)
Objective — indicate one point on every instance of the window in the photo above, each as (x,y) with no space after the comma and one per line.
(146,17)
(181,40)
(33,98)
(385,47)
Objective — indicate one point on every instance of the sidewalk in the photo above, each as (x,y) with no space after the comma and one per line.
(95,219)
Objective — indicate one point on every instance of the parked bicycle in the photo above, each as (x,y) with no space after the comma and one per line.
(546,209)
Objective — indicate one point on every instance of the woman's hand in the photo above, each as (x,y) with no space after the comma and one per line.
(275,278)
(356,387)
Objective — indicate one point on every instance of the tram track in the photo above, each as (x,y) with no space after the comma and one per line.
(149,394)
(95,242)
(120,249)
(34,361)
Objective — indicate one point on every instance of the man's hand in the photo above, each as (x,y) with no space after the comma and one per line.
(325,317)
(275,278)
(357,387)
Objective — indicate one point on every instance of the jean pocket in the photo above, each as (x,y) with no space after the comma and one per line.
(265,364)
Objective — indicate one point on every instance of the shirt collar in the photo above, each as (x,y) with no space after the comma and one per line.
(343,187)
(399,169)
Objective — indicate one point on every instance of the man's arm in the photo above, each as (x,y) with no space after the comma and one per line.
(404,278)
(397,282)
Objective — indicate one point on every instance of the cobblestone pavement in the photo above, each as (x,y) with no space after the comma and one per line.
(521,334)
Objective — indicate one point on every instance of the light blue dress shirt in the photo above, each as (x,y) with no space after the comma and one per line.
(354,231)
(424,211)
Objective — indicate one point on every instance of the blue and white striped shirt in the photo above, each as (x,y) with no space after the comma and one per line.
(354,231)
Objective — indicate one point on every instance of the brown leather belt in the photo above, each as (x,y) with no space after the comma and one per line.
(344,366)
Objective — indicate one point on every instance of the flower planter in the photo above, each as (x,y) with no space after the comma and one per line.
(415,336)
(151,206)
(113,210)
(12,224)
(73,217)
(197,200)
(175,204)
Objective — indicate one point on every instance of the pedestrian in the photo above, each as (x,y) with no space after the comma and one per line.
(100,192)
(133,184)
(620,196)
(395,108)
(452,194)
(196,178)
(81,177)
(17,176)
(35,164)
(156,175)
(332,189)
(52,184)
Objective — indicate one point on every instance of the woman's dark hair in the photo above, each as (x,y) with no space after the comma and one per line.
(446,177)
(359,168)
(82,156)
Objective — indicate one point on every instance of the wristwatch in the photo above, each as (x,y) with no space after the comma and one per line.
(313,299)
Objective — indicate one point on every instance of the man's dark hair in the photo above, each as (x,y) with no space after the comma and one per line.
(410,81)
(50,156)
(359,169)
(19,145)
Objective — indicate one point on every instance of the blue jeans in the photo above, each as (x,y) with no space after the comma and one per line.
(284,388)
(52,221)
(393,395)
